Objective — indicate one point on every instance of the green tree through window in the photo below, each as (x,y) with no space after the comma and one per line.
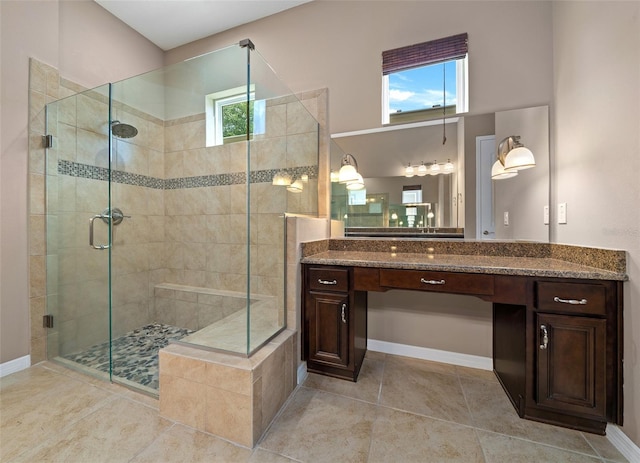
(234,119)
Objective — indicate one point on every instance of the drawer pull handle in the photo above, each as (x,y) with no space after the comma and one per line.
(431,282)
(327,282)
(344,318)
(570,301)
(545,337)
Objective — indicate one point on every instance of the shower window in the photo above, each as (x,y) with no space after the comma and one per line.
(226,114)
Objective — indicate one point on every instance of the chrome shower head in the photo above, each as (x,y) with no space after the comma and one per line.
(121,130)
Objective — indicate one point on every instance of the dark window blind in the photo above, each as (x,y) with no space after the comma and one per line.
(423,54)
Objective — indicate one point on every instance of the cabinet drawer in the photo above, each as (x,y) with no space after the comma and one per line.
(583,298)
(329,279)
(444,282)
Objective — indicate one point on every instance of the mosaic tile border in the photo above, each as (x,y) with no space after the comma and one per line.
(76,169)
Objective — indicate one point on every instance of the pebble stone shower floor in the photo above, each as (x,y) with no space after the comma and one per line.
(135,354)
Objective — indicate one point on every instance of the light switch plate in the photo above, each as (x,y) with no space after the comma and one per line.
(562,213)
(506,217)
(545,215)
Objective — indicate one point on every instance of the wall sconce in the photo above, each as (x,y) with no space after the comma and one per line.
(348,173)
(357,184)
(435,168)
(512,157)
(282,178)
(295,187)
(348,169)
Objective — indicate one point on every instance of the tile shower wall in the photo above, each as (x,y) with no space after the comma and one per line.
(164,239)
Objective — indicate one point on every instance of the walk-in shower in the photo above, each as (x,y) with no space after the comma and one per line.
(163,223)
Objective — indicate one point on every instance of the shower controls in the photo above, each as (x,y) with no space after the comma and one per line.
(116,216)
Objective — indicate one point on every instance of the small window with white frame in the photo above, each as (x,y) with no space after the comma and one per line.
(425,81)
(226,116)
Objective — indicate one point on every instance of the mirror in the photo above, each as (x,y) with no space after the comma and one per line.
(393,203)
(507,209)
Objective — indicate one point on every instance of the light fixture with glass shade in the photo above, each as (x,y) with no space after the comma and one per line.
(435,168)
(422,170)
(357,184)
(282,178)
(295,187)
(512,157)
(334,176)
(448,167)
(409,171)
(348,169)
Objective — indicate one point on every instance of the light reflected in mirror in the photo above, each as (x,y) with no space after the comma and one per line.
(410,181)
(509,209)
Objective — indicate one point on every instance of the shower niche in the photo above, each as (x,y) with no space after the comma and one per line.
(163,222)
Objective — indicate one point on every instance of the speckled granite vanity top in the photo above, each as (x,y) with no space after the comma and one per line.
(500,258)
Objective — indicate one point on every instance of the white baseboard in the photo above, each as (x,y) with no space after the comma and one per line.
(302,372)
(624,445)
(435,355)
(13,366)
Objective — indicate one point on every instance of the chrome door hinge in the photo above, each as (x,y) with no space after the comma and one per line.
(47,321)
(47,141)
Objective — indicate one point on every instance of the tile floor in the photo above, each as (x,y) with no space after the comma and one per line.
(400,410)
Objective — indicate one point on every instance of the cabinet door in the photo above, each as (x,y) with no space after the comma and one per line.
(572,363)
(327,319)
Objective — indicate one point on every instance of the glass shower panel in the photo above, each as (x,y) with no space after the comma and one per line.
(284,143)
(77,190)
(179,262)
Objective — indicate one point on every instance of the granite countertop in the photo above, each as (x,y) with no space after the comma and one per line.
(468,263)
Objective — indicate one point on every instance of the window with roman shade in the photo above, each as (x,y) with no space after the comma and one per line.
(425,80)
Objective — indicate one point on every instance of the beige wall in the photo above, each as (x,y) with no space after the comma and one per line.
(339,44)
(596,120)
(85,42)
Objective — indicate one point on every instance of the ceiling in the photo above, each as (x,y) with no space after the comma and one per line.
(171,23)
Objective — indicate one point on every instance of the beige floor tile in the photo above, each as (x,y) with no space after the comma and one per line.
(491,410)
(499,449)
(181,444)
(425,389)
(320,427)
(485,375)
(39,403)
(113,433)
(263,456)
(367,387)
(605,448)
(399,436)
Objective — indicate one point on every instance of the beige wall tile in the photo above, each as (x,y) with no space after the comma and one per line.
(229,415)
(182,400)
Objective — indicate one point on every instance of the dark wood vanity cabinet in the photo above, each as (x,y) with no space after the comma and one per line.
(557,342)
(578,353)
(335,322)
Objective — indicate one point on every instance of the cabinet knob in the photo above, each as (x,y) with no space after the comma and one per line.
(545,337)
(344,317)
(570,301)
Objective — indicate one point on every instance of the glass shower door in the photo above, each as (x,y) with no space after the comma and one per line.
(78,231)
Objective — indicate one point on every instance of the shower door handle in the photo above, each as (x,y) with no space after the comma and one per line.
(91,222)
